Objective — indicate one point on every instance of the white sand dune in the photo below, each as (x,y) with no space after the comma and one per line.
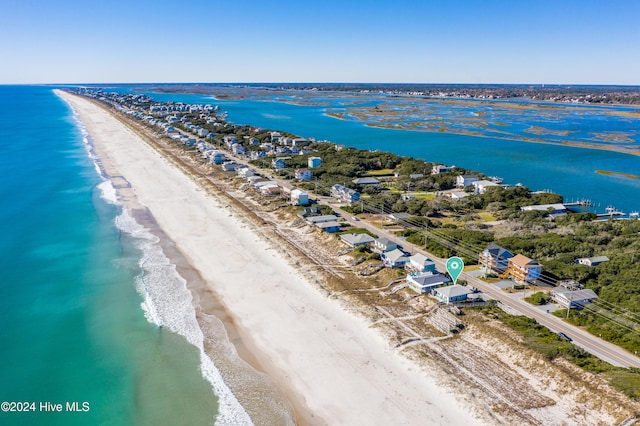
(325,359)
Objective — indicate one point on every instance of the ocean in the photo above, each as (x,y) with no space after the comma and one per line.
(80,325)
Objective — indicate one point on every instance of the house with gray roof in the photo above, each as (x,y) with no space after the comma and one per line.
(465,180)
(394,258)
(382,245)
(342,193)
(357,240)
(553,210)
(592,261)
(366,181)
(420,263)
(573,299)
(452,293)
(329,226)
(314,220)
(495,258)
(426,282)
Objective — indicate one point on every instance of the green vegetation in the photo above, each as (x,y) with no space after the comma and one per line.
(454,227)
(538,298)
(552,346)
(357,231)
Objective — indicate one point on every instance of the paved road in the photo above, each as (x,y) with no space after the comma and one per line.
(592,344)
(604,350)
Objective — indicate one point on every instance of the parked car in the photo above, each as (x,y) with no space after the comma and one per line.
(564,336)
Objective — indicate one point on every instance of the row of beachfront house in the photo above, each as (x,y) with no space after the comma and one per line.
(165,109)
(422,275)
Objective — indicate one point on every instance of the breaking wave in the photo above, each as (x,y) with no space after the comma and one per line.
(166,300)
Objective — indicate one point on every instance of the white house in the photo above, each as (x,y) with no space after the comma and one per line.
(382,245)
(229,140)
(421,263)
(270,189)
(439,168)
(553,209)
(458,195)
(480,186)
(275,137)
(238,149)
(299,197)
(216,157)
(244,172)
(229,166)
(394,258)
(592,261)
(342,193)
(573,298)
(465,180)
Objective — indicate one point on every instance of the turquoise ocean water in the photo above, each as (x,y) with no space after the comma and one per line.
(77,322)
(569,171)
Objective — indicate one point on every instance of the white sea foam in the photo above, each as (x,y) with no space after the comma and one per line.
(167,303)
(87,142)
(166,299)
(108,192)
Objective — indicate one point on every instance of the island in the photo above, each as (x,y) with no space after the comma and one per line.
(406,205)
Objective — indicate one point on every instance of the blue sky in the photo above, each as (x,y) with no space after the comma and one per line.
(405,41)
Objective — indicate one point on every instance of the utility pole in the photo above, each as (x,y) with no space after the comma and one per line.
(426,228)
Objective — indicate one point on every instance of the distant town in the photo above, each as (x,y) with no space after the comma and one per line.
(561,93)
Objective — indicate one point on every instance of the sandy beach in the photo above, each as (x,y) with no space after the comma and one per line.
(331,366)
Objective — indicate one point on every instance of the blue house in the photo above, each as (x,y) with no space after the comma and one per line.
(495,258)
(329,226)
(314,162)
(278,163)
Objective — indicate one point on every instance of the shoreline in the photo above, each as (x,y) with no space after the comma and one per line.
(323,358)
(205,301)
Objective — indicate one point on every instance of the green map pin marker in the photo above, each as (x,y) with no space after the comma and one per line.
(455,265)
